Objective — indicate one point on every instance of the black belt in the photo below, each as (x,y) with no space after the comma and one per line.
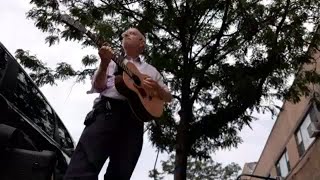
(106,103)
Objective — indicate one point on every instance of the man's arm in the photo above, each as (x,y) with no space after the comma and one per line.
(162,91)
(165,95)
(105,53)
(100,78)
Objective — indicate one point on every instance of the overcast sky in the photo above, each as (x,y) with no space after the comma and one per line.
(18,32)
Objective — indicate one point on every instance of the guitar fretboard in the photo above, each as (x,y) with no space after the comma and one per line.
(118,59)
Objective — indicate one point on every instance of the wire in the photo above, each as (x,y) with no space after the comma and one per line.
(155,163)
(70,91)
(158,151)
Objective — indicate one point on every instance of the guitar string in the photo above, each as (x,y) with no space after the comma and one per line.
(121,64)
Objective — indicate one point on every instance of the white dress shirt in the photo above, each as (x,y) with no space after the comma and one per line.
(112,92)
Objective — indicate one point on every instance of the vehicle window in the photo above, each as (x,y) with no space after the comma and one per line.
(64,136)
(3,61)
(28,99)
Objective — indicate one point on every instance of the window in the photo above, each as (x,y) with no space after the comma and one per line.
(28,99)
(283,165)
(3,61)
(65,140)
(302,136)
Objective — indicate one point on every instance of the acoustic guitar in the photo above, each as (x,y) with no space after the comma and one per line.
(146,106)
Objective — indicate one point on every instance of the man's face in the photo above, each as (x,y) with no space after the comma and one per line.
(132,40)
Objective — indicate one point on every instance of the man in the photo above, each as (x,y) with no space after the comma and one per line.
(111,129)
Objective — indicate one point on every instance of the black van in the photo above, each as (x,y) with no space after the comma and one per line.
(24,109)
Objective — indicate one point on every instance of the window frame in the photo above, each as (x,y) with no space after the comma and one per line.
(278,166)
(302,149)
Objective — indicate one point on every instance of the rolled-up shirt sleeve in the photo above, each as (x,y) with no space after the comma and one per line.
(159,79)
(109,80)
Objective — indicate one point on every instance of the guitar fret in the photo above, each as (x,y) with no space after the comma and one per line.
(123,66)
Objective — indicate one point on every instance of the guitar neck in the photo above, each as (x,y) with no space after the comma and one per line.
(98,41)
(117,58)
(119,61)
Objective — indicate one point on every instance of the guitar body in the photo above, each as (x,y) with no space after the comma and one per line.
(144,106)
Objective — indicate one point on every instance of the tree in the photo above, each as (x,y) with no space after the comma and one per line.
(221,59)
(205,169)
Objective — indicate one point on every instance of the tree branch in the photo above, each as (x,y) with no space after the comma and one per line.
(197,90)
(132,13)
(219,36)
(204,46)
(200,85)
(228,114)
(203,23)
(177,7)
(283,18)
(128,3)
(177,97)
(170,6)
(223,25)
(200,26)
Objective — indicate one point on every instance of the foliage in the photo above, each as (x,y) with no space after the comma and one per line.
(41,74)
(205,169)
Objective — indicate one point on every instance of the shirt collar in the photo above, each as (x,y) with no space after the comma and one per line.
(137,59)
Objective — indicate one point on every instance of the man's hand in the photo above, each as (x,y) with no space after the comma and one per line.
(151,86)
(105,53)
(154,89)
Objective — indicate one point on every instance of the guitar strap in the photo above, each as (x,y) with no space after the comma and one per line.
(118,71)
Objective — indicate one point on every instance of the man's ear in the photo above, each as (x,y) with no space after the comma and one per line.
(141,45)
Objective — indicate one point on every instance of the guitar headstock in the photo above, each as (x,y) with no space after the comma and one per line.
(77,25)
(117,57)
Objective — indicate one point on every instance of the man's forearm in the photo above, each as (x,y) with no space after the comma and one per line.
(101,76)
(166,96)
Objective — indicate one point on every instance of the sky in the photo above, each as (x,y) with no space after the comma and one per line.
(71,102)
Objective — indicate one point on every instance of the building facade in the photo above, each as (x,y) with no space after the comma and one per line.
(248,168)
(292,150)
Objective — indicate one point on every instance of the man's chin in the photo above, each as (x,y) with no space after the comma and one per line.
(129,47)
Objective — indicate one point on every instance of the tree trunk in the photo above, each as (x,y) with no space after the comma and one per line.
(182,144)
(180,172)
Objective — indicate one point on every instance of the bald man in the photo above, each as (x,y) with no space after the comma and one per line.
(111,130)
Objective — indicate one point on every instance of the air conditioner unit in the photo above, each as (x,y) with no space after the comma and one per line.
(314,129)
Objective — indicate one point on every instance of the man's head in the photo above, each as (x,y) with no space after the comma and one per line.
(133,42)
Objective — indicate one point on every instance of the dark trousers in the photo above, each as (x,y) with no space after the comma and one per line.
(111,133)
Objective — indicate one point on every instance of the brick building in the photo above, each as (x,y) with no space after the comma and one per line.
(292,150)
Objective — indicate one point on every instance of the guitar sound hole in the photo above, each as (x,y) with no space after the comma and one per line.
(136,80)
